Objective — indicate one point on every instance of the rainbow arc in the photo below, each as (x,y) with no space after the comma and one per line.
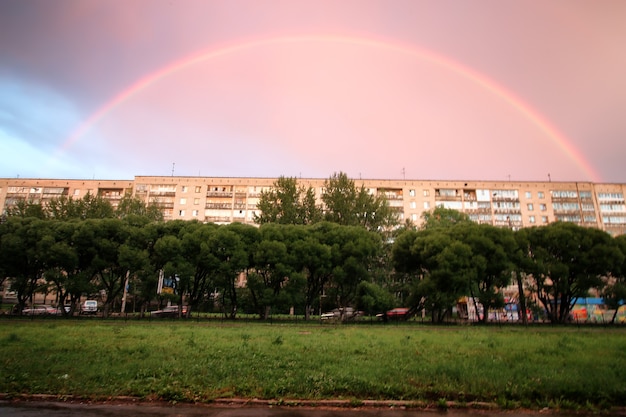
(489,85)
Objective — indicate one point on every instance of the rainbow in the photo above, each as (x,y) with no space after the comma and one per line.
(528,112)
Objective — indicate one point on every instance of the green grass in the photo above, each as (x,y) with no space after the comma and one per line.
(566,368)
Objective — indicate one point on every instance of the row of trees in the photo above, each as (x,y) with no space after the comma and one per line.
(342,203)
(284,265)
(303,256)
(552,265)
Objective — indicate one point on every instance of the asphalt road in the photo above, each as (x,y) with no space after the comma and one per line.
(53,409)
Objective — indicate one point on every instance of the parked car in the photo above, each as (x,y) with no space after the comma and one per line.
(89,307)
(40,310)
(169,311)
(400,313)
(344,314)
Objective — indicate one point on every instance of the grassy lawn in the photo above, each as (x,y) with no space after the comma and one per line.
(511,366)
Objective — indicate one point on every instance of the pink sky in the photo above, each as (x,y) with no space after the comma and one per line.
(378,89)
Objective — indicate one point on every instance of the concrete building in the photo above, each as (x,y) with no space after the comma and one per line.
(225,200)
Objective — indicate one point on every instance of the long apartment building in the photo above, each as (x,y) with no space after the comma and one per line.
(225,200)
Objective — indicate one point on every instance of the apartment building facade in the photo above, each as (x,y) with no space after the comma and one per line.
(225,200)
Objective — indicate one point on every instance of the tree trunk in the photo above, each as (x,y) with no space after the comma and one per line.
(521,296)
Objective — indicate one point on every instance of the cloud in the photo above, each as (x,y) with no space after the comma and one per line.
(35,115)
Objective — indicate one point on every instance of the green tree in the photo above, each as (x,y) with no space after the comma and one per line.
(372,298)
(24,208)
(130,205)
(21,242)
(272,266)
(347,205)
(88,207)
(353,251)
(439,266)
(228,255)
(566,261)
(286,203)
(614,290)
(312,260)
(441,217)
(492,252)
(101,242)
(62,269)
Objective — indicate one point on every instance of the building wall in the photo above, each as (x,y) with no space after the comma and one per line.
(43,190)
(226,200)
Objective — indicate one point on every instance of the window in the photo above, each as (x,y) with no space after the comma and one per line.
(510,194)
(542,207)
(540,194)
(413,204)
(196,201)
(530,206)
(412,193)
(572,218)
(183,188)
(76,192)
(613,207)
(565,206)
(183,201)
(454,205)
(564,194)
(426,193)
(198,188)
(194,213)
(544,219)
(414,217)
(529,194)
(531,219)
(611,196)
(181,213)
(426,205)
(614,220)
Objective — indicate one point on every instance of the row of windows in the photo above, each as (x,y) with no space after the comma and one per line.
(207,213)
(565,206)
(620,208)
(611,196)
(614,220)
(197,188)
(564,194)
(529,195)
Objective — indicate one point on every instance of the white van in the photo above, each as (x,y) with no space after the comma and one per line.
(89,307)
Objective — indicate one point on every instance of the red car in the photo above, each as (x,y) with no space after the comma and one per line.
(400,313)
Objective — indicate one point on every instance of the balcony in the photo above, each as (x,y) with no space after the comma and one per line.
(162,193)
(478,210)
(219,206)
(217,219)
(224,194)
(506,210)
(447,197)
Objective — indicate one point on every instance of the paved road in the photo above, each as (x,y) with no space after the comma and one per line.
(49,409)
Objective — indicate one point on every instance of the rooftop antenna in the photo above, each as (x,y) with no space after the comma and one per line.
(173,165)
(403,173)
(549,179)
